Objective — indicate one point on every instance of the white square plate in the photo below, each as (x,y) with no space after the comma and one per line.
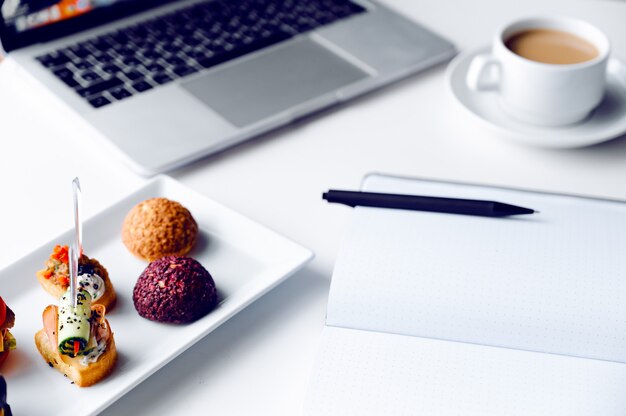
(245,259)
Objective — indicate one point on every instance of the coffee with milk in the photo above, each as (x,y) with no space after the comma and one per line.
(551,46)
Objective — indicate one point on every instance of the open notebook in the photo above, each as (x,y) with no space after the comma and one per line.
(439,314)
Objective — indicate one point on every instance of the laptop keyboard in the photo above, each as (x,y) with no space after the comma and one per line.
(137,58)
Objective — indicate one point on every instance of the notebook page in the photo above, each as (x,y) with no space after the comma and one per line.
(550,282)
(371,373)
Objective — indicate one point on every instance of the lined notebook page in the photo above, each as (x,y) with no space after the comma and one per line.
(551,282)
(370,373)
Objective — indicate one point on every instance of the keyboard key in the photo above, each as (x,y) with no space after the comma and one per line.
(213,60)
(103,58)
(71,82)
(125,51)
(111,69)
(90,76)
(61,59)
(67,76)
(83,64)
(131,61)
(142,86)
(174,60)
(154,67)
(151,54)
(200,54)
(170,47)
(99,87)
(162,79)
(80,51)
(133,75)
(53,59)
(191,41)
(184,70)
(120,93)
(63,73)
(99,101)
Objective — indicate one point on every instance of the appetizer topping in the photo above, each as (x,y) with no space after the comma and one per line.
(8,342)
(91,283)
(57,267)
(60,253)
(83,331)
(74,327)
(7,320)
(94,354)
(57,271)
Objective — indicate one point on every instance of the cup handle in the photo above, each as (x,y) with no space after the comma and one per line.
(619,70)
(476,74)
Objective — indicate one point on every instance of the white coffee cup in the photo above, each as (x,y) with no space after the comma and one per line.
(540,93)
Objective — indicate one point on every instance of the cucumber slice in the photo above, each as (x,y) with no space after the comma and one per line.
(74,323)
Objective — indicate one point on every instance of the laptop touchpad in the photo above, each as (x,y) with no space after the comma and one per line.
(254,89)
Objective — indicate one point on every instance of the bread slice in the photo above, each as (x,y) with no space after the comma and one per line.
(83,376)
(109,297)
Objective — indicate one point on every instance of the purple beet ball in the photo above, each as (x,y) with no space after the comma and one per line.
(174,289)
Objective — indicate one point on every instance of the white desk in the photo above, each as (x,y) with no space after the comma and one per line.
(259,362)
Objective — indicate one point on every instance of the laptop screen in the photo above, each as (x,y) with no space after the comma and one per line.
(25,22)
(24,15)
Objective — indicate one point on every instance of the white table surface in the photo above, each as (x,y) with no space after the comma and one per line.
(259,362)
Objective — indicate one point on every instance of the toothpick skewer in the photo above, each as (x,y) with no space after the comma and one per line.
(73,257)
(76,249)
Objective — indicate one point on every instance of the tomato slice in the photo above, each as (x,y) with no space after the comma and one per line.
(3,311)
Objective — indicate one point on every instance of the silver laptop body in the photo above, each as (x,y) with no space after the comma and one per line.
(212,109)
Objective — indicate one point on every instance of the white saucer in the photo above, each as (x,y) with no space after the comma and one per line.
(606,122)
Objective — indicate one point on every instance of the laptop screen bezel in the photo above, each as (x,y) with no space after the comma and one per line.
(13,40)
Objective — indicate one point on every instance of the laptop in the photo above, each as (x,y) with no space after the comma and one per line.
(170,81)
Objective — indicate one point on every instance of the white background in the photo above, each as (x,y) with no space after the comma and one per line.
(259,362)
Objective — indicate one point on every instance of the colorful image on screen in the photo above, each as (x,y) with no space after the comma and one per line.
(24,15)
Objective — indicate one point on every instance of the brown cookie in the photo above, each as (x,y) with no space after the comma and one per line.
(159,227)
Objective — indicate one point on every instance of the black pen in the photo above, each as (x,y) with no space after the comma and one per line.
(425,203)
